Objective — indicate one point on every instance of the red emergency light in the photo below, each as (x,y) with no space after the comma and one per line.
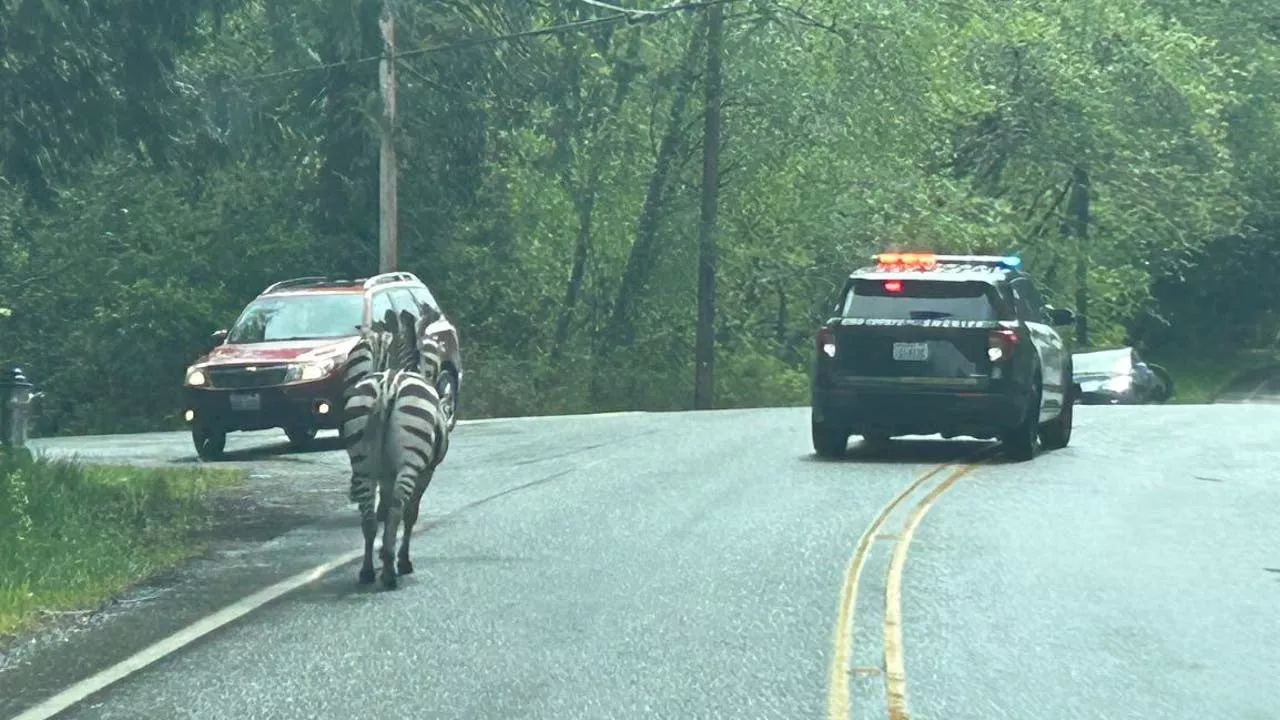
(905,261)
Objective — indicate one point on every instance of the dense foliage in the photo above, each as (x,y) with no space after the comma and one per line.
(549,182)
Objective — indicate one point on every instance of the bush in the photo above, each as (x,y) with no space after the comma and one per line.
(72,535)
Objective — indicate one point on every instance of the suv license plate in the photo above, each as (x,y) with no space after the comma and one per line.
(911,352)
(245,401)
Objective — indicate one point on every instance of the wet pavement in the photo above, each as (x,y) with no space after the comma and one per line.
(1261,385)
(690,566)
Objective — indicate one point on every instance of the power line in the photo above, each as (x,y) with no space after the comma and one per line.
(623,15)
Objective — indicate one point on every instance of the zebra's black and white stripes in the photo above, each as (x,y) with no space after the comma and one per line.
(395,435)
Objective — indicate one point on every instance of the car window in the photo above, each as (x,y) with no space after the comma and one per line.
(920,300)
(305,316)
(381,304)
(1027,301)
(430,308)
(402,299)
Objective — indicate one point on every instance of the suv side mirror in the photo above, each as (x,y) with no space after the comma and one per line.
(1060,317)
(218,337)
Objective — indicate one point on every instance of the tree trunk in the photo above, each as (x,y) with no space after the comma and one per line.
(704,352)
(584,193)
(581,248)
(620,327)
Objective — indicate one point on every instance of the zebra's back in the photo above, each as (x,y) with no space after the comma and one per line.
(417,437)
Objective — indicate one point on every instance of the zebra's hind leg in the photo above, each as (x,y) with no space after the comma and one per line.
(362,494)
(403,564)
(395,512)
(369,525)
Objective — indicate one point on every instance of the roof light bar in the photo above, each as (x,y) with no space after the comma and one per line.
(928,261)
(923,261)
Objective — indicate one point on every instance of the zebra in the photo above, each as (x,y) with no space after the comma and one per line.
(371,352)
(395,436)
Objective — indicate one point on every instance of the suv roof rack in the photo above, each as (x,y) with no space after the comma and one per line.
(390,277)
(313,281)
(318,280)
(296,282)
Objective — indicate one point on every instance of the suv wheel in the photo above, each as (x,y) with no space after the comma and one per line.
(1022,442)
(1056,434)
(209,443)
(301,437)
(447,386)
(829,441)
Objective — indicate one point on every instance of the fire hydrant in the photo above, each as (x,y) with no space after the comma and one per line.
(16,394)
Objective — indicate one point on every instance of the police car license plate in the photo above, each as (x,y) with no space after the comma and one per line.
(245,401)
(911,352)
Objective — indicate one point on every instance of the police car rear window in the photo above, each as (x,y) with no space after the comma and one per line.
(919,300)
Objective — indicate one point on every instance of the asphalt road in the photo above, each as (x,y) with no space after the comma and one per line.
(692,565)
(1261,385)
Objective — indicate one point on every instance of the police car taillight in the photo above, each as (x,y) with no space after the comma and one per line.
(1000,343)
(826,342)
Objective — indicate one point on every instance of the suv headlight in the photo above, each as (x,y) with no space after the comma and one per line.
(305,372)
(196,378)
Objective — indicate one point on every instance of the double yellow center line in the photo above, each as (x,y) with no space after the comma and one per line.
(895,681)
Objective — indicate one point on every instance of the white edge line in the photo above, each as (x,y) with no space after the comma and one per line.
(90,685)
(76,693)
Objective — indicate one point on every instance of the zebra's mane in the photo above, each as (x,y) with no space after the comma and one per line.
(405,354)
(393,342)
(397,343)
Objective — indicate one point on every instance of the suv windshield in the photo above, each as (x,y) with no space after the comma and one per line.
(919,300)
(299,317)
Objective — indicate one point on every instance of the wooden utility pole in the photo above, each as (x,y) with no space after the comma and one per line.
(1078,212)
(388,245)
(704,351)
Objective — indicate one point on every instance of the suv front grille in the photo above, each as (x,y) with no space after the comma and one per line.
(242,377)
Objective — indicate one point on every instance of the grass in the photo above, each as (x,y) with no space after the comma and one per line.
(73,535)
(1198,379)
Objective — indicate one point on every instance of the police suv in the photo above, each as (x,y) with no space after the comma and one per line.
(949,344)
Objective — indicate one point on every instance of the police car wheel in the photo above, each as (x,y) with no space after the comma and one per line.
(1023,442)
(1056,434)
(829,442)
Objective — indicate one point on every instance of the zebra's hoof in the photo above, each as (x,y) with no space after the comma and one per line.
(388,579)
(366,576)
(404,566)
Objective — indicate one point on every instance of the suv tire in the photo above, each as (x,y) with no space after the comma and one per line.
(300,437)
(209,443)
(447,387)
(1056,434)
(829,441)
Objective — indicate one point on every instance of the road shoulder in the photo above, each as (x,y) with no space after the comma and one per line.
(261,533)
(1259,385)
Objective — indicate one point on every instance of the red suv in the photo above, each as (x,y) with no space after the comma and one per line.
(280,364)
